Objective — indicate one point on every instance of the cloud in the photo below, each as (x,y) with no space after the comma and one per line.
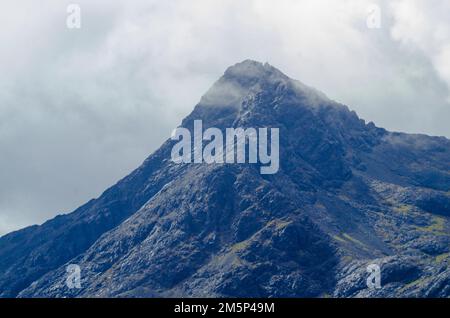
(423,25)
(80,108)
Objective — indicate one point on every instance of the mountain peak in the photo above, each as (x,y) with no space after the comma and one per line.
(244,79)
(255,90)
(347,195)
(251,69)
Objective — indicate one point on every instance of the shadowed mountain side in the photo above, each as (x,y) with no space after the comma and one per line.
(347,194)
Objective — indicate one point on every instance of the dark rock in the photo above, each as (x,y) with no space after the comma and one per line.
(347,194)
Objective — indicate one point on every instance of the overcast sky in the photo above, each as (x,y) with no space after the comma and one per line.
(80,108)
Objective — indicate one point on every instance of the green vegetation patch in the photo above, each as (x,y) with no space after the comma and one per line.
(436,227)
(443,257)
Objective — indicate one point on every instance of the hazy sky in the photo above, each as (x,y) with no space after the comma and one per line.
(80,108)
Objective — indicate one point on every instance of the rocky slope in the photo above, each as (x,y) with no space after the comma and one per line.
(348,194)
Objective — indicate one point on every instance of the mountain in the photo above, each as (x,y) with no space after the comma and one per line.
(347,195)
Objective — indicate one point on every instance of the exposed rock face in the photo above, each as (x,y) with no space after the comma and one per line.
(348,194)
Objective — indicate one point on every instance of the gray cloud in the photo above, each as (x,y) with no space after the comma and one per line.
(80,108)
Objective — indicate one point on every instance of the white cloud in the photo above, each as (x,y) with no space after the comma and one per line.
(424,25)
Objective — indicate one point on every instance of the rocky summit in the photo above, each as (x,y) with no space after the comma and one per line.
(347,195)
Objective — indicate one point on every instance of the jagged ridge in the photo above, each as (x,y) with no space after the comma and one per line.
(347,194)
